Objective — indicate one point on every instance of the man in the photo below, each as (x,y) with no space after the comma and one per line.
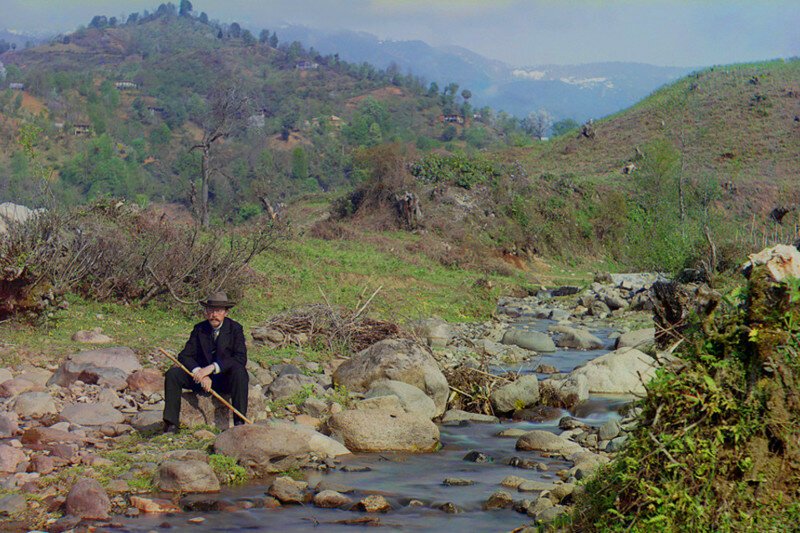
(217,356)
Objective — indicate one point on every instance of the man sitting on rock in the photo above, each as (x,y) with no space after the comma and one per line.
(217,356)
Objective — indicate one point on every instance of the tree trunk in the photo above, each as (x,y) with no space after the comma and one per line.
(206,169)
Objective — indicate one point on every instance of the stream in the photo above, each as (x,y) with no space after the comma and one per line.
(413,484)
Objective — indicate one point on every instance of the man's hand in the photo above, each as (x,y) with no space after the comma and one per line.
(206,384)
(201,373)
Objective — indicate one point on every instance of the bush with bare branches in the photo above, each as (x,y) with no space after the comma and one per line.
(113,251)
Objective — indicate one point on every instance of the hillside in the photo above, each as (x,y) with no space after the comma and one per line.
(121,106)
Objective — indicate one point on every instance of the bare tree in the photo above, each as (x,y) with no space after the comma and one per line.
(227,111)
(537,124)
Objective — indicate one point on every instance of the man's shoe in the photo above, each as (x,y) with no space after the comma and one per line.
(169,427)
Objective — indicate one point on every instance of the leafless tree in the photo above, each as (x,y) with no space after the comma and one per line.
(228,108)
(538,124)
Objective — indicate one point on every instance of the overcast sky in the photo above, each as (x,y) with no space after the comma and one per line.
(519,32)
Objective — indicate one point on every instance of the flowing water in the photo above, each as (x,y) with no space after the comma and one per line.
(402,478)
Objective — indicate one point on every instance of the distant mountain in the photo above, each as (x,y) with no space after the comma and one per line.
(567,91)
(22,40)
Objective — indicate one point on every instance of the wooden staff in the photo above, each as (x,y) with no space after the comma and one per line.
(212,391)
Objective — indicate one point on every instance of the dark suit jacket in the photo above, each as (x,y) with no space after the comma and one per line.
(231,349)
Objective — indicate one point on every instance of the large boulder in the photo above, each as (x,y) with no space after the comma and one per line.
(186,476)
(13,213)
(276,447)
(9,458)
(436,332)
(530,340)
(579,339)
(412,399)
(396,359)
(288,385)
(623,371)
(518,394)
(640,339)
(203,409)
(147,380)
(377,430)
(108,367)
(87,499)
(566,391)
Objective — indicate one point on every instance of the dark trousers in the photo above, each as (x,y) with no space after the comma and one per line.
(235,381)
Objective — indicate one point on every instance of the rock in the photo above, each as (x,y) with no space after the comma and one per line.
(154,505)
(287,385)
(412,399)
(447,507)
(539,506)
(399,360)
(310,421)
(530,340)
(10,458)
(315,407)
(88,500)
(5,375)
(288,490)
(12,504)
(276,447)
(514,433)
(499,500)
(516,395)
(330,499)
(559,492)
(263,335)
(599,309)
(91,414)
(609,430)
(186,476)
(579,339)
(512,482)
(565,392)
(336,487)
(546,369)
(535,486)
(147,421)
(106,367)
(537,413)
(147,380)
(616,444)
(619,372)
(14,387)
(457,482)
(376,431)
(782,261)
(614,300)
(36,375)
(457,415)
(43,464)
(34,405)
(551,513)
(640,339)
(477,457)
(374,503)
(203,409)
(8,425)
(93,336)
(544,441)
(11,213)
(559,314)
(436,332)
(39,435)
(380,403)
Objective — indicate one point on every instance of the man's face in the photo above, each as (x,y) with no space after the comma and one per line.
(215,315)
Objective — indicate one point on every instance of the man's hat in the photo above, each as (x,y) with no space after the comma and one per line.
(218,299)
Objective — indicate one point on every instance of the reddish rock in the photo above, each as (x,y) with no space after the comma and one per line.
(63,450)
(40,435)
(87,499)
(10,458)
(42,464)
(154,505)
(147,380)
(14,387)
(91,414)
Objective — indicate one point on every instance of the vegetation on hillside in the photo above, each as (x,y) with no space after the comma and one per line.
(717,448)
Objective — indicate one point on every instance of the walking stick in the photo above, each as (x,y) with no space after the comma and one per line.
(212,391)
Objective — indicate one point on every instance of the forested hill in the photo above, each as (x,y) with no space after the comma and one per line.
(118,107)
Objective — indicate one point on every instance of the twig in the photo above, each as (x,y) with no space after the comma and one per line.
(665,451)
(462,392)
(486,373)
(366,304)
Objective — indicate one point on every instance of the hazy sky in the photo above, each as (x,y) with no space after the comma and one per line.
(519,32)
